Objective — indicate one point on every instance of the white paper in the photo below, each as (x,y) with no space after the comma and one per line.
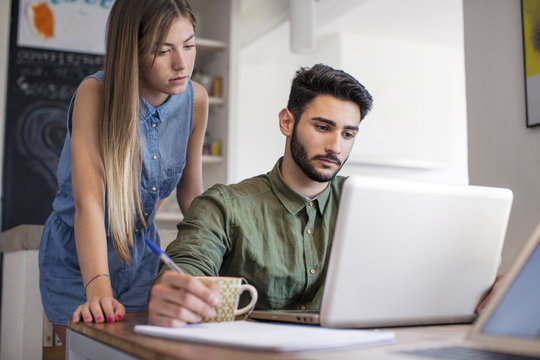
(270,336)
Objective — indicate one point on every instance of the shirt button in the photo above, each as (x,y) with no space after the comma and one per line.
(154,157)
(312,271)
(302,307)
(154,188)
(154,125)
(309,231)
(311,203)
(136,230)
(145,214)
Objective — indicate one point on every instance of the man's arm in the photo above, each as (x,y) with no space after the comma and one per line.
(203,236)
(203,239)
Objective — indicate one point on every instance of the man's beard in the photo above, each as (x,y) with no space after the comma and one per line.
(300,157)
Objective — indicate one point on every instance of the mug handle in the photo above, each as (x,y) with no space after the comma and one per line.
(251,305)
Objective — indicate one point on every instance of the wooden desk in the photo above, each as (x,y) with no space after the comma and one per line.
(119,341)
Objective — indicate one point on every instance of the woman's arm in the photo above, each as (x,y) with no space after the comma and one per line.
(190,185)
(88,181)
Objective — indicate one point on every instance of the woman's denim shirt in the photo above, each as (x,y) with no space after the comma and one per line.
(165,132)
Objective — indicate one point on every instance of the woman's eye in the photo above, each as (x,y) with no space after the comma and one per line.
(163,52)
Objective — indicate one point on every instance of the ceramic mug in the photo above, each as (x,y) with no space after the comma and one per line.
(231,289)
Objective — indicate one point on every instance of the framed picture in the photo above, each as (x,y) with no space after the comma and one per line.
(530,10)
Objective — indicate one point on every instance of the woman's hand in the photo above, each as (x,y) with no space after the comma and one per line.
(99,309)
(101,306)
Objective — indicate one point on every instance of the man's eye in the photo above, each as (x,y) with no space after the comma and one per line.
(349,135)
(322,127)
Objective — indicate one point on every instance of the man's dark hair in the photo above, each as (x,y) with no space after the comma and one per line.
(322,79)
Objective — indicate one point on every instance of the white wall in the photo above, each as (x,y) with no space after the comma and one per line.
(410,57)
(417,128)
(461,105)
(502,151)
(22,311)
(265,71)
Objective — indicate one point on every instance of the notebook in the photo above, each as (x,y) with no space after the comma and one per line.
(408,253)
(511,321)
(256,335)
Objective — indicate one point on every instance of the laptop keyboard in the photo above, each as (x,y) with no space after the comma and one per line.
(459,352)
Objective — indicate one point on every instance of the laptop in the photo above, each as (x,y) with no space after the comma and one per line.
(408,253)
(510,323)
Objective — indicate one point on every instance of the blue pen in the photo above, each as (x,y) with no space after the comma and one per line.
(164,257)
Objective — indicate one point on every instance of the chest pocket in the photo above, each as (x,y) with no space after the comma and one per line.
(173,174)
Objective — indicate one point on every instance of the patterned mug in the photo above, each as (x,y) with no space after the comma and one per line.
(231,288)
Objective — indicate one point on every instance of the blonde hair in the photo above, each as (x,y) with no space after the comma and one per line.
(135,28)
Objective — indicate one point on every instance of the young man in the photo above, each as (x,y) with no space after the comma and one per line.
(274,229)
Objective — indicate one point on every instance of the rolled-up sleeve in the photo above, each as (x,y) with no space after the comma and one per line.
(202,240)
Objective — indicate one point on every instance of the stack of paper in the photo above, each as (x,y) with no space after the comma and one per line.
(270,336)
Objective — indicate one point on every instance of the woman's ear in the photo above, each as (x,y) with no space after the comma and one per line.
(286,122)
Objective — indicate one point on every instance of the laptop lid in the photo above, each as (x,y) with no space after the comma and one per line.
(511,320)
(407,253)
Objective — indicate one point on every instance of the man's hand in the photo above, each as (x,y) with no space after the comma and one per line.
(178,299)
(489,294)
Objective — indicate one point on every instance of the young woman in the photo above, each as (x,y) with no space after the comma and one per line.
(135,132)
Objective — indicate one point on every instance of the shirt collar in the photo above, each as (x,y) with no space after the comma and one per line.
(292,200)
(160,111)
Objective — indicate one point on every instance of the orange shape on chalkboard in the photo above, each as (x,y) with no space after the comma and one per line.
(42,19)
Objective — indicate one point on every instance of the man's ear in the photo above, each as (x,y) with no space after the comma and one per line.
(286,122)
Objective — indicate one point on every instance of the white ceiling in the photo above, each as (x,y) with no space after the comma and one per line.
(257,17)
(434,21)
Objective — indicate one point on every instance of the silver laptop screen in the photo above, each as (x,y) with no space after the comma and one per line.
(518,313)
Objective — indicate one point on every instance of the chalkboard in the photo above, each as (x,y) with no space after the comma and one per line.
(41,83)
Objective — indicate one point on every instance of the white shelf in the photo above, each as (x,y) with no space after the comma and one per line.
(169,216)
(208,47)
(395,162)
(210,44)
(212,159)
(214,38)
(216,100)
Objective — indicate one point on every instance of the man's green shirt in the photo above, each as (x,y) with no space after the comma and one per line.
(264,231)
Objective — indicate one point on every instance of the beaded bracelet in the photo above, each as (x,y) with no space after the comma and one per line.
(94,278)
